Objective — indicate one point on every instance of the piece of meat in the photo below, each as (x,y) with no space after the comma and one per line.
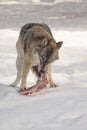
(41,84)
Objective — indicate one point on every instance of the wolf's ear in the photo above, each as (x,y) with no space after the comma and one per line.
(44,42)
(59,44)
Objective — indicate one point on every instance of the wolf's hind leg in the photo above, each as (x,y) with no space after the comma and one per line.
(19,65)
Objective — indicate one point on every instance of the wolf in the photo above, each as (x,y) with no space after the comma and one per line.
(36,49)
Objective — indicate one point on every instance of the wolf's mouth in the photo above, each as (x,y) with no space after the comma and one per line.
(42,71)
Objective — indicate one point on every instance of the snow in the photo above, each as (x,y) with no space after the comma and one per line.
(62,108)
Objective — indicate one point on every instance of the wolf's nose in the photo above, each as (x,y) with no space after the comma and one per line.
(42,71)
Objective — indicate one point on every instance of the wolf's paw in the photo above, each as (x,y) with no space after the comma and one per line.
(22,89)
(12,85)
(53,85)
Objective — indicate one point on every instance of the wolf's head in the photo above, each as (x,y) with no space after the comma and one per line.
(54,55)
(48,52)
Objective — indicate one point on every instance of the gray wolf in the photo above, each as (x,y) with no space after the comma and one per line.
(36,49)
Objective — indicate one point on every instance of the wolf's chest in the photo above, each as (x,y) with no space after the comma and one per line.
(35,59)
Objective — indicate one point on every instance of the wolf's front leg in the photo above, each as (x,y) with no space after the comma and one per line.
(52,84)
(25,70)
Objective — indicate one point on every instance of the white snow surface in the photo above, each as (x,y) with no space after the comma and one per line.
(61,108)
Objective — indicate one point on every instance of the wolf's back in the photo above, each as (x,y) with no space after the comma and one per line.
(33,32)
(30,25)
